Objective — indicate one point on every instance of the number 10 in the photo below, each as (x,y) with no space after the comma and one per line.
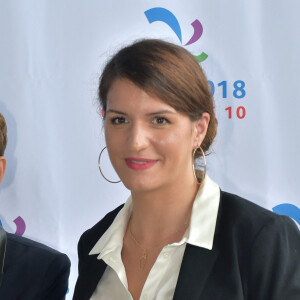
(240,112)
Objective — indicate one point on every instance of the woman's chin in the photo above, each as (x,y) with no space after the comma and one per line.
(140,186)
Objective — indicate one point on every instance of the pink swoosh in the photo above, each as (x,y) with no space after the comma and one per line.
(198,30)
(21,226)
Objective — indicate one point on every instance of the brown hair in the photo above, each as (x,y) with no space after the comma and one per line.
(167,71)
(3,135)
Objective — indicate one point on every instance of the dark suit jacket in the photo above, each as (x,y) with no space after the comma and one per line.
(33,271)
(255,256)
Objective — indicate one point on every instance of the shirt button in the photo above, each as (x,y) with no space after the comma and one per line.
(166,254)
(145,296)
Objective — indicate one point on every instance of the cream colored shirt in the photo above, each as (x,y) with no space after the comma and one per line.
(161,281)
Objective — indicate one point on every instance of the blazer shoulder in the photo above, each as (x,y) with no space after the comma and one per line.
(27,261)
(22,242)
(19,245)
(266,245)
(248,218)
(241,208)
(92,235)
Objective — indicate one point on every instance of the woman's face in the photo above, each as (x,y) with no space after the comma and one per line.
(150,144)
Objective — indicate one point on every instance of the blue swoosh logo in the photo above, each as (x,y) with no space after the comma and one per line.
(163,15)
(289,210)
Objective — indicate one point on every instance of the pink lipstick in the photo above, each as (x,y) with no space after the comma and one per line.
(137,163)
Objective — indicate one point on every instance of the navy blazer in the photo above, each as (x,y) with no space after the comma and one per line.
(255,256)
(33,271)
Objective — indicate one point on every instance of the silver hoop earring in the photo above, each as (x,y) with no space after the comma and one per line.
(204,167)
(99,159)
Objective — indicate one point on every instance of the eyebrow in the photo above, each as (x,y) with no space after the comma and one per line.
(116,111)
(149,114)
(161,112)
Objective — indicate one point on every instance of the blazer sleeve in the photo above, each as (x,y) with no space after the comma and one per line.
(274,268)
(55,282)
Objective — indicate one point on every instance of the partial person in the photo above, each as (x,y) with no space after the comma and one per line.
(178,236)
(32,271)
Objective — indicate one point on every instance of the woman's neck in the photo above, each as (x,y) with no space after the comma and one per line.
(162,214)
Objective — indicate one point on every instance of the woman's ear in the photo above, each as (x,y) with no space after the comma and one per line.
(201,126)
(2,167)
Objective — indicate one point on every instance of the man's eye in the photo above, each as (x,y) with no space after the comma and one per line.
(160,121)
(118,120)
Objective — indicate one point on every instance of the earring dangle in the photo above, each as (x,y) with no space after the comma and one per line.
(204,167)
(99,166)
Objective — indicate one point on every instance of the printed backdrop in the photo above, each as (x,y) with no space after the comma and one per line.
(51,55)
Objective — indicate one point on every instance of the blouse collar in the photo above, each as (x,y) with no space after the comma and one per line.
(199,233)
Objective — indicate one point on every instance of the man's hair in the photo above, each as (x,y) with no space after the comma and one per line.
(3,135)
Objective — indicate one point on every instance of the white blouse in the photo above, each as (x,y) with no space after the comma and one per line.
(161,281)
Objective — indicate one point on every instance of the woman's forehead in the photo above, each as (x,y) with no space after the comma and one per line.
(125,95)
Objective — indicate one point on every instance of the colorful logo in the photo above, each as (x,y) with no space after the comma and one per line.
(163,15)
(21,226)
(289,210)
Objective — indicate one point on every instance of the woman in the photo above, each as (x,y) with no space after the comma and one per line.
(178,236)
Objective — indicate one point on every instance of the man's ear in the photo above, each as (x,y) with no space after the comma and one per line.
(201,126)
(2,167)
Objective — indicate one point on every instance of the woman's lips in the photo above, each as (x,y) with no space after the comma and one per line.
(135,163)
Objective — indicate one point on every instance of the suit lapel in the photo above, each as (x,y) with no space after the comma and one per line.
(89,278)
(196,266)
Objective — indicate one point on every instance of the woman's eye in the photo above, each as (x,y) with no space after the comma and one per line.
(118,120)
(160,121)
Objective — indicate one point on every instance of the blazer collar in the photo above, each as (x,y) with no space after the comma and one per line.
(196,266)
(89,278)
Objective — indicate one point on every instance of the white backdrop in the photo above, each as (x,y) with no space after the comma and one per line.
(51,55)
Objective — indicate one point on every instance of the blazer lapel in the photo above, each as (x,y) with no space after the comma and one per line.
(89,278)
(196,266)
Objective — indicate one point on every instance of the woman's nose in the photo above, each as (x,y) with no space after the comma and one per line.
(138,137)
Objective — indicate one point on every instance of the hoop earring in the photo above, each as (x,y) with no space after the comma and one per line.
(99,158)
(204,167)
